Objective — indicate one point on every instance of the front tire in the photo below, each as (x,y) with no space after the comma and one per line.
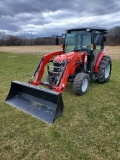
(81,84)
(104,71)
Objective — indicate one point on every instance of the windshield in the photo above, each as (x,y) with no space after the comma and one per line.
(77,41)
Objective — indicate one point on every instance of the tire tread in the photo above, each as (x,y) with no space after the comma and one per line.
(78,82)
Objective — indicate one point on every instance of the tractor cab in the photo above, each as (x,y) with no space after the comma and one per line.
(90,40)
(83,39)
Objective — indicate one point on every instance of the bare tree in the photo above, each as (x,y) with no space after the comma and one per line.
(2,38)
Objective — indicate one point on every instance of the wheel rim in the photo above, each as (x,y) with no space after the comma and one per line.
(107,71)
(84,85)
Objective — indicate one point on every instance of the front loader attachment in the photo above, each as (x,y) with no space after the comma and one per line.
(41,103)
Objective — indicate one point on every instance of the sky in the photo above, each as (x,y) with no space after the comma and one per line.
(53,17)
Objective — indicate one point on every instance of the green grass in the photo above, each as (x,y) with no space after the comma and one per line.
(89,128)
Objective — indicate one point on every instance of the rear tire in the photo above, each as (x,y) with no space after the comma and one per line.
(104,71)
(81,84)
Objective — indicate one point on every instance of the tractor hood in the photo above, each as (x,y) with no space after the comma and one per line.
(63,57)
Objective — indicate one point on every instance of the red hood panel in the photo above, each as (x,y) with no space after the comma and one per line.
(65,56)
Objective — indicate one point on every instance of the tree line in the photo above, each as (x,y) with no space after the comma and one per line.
(18,41)
(113,39)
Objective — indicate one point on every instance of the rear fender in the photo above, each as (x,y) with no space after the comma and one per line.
(98,60)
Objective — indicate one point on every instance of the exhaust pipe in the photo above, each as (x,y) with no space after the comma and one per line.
(41,103)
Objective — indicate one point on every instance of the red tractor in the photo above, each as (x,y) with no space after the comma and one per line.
(83,58)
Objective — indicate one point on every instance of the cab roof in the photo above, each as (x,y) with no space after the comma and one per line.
(104,30)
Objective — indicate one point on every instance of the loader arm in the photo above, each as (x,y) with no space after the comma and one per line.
(41,103)
(45,60)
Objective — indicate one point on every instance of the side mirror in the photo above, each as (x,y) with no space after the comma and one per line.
(57,40)
(104,39)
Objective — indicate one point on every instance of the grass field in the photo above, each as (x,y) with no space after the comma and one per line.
(89,128)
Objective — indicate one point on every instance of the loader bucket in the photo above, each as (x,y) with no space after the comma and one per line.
(41,103)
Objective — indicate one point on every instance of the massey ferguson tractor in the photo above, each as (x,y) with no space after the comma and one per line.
(83,58)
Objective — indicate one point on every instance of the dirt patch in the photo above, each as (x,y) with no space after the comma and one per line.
(113,51)
(30,49)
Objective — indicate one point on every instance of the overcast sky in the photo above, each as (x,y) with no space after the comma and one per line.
(51,17)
